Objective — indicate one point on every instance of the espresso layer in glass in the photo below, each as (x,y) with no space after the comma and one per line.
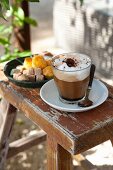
(71,75)
(72,91)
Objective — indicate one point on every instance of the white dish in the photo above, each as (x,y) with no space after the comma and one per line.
(49,95)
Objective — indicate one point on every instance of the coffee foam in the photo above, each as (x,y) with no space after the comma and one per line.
(72,74)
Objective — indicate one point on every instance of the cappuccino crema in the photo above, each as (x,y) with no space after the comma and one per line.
(71,75)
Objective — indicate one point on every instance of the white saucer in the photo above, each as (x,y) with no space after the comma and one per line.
(49,95)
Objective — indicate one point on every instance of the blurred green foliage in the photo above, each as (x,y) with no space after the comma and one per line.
(17,19)
(5,5)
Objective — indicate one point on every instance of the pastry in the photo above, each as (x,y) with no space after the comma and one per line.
(48,72)
(39,62)
(28,62)
(33,69)
(48,61)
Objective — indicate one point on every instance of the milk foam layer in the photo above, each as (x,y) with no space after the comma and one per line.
(75,73)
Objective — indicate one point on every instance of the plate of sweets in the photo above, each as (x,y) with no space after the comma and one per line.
(30,72)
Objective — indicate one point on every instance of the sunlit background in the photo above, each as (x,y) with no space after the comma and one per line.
(63,25)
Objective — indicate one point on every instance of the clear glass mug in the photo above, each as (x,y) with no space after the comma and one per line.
(71,82)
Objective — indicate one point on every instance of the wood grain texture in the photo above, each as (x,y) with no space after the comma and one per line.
(111,140)
(57,157)
(9,114)
(34,112)
(64,159)
(51,154)
(76,132)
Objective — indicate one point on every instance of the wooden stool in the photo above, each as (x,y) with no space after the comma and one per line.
(67,134)
(7,119)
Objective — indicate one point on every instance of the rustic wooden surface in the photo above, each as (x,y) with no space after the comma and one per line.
(8,113)
(75,132)
(57,157)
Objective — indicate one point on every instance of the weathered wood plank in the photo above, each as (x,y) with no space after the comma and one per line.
(111,141)
(77,127)
(57,157)
(75,132)
(8,113)
(37,115)
(51,154)
(80,120)
(25,143)
(64,159)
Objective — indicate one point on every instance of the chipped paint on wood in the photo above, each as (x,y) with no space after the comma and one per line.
(37,115)
(79,129)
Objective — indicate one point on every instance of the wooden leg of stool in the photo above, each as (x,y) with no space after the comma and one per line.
(111,140)
(8,114)
(64,159)
(57,157)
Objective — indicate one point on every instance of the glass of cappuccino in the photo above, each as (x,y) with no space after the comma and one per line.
(71,75)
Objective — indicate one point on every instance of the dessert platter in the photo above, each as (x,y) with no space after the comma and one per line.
(31,72)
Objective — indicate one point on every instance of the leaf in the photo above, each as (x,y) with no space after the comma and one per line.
(5,58)
(17,54)
(18,14)
(1,12)
(9,12)
(17,22)
(81,1)
(5,4)
(5,29)
(8,30)
(14,55)
(24,54)
(34,0)
(19,1)
(30,21)
(2,27)
(4,41)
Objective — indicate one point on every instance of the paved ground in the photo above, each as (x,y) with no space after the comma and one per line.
(35,158)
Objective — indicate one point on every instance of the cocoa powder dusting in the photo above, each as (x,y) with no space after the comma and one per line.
(71,63)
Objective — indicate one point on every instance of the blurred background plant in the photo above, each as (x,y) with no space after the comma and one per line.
(15,20)
(11,31)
